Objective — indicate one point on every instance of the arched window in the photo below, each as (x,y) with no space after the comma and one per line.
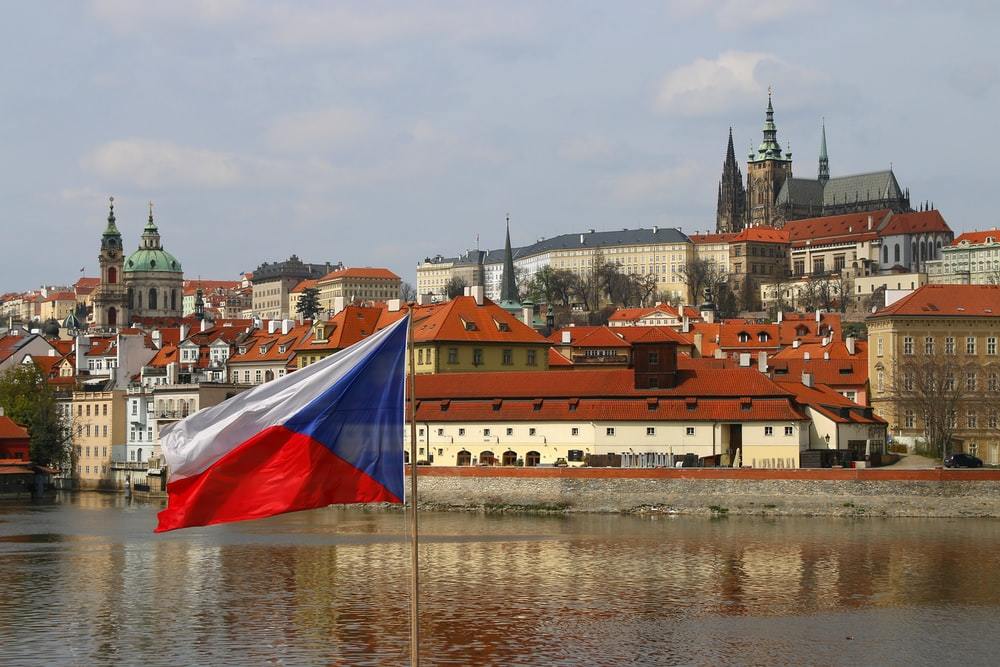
(895,254)
(532,459)
(509,458)
(487,458)
(138,454)
(173,299)
(112,275)
(268,375)
(152,298)
(464,458)
(923,251)
(885,255)
(112,317)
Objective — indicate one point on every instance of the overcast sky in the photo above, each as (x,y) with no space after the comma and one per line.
(380,133)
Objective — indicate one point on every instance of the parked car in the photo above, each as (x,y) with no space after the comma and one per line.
(962,460)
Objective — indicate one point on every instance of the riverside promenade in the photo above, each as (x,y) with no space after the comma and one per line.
(880,492)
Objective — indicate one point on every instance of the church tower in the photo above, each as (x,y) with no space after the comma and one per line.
(110,297)
(730,212)
(767,170)
(824,160)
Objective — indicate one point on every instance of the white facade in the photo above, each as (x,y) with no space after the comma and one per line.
(967,263)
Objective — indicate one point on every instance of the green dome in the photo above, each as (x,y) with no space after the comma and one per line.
(152,260)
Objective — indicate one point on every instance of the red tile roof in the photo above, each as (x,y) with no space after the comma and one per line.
(558,361)
(829,403)
(303,286)
(86,285)
(915,222)
(844,373)
(360,272)
(947,300)
(762,235)
(10,429)
(723,237)
(836,349)
(825,229)
(977,238)
(635,314)
(346,328)
(60,296)
(461,320)
(273,344)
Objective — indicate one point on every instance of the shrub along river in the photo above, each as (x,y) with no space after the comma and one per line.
(85,581)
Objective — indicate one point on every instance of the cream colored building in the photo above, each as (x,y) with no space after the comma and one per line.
(972,259)
(962,321)
(57,306)
(357,284)
(657,251)
(98,425)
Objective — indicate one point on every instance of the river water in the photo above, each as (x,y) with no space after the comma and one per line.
(84,581)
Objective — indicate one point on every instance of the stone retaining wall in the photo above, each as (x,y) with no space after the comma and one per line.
(827,492)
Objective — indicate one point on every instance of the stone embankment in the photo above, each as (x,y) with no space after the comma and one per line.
(715,491)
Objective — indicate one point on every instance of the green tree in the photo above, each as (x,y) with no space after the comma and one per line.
(308,304)
(27,398)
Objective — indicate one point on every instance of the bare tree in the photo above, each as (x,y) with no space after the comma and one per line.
(455,287)
(407,292)
(842,284)
(700,273)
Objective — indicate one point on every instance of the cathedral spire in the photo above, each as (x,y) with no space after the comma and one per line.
(508,283)
(730,210)
(824,160)
(111,229)
(769,148)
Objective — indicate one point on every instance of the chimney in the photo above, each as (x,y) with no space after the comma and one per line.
(467,291)
(762,361)
(567,337)
(172,369)
(851,343)
(204,324)
(272,326)
(807,378)
(393,305)
(655,229)
(869,223)
(806,356)
(185,330)
(286,326)
(581,238)
(82,347)
(796,343)
(781,316)
(52,352)
(423,299)
(686,324)
(719,354)
(826,355)
(698,339)
(708,315)
(744,360)
(478,293)
(819,316)
(826,341)
(157,338)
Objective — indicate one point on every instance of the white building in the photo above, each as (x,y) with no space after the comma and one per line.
(972,259)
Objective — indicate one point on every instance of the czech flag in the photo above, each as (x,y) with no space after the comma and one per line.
(331,432)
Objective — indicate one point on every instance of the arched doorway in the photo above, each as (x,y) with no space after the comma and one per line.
(487,458)
(509,458)
(268,375)
(464,458)
(532,459)
(112,275)
(152,298)
(112,317)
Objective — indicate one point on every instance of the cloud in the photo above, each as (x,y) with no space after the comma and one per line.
(156,164)
(708,87)
(736,14)
(586,149)
(128,15)
(317,130)
(672,183)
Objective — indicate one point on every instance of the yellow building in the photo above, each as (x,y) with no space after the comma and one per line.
(98,425)
(953,326)
(357,284)
(57,306)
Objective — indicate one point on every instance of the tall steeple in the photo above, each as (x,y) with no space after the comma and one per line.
(769,148)
(730,211)
(824,160)
(150,234)
(767,171)
(508,283)
(111,238)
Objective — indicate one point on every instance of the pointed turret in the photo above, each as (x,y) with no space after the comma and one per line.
(150,234)
(508,283)
(769,148)
(824,160)
(111,238)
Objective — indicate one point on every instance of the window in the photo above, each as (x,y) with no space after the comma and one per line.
(452,355)
(908,381)
(87,430)
(461,431)
(970,345)
(477,357)
(104,431)
(689,430)
(949,382)
(532,358)
(788,431)
(532,431)
(650,430)
(246,377)
(819,266)
(609,431)
(970,419)
(907,344)
(257,376)
(508,357)
(135,407)
(909,421)
(768,430)
(420,356)
(991,345)
(88,409)
(879,345)
(970,381)
(654,358)
(574,431)
(994,381)
(929,345)
(991,420)
(440,432)
(949,345)
(510,431)
(486,432)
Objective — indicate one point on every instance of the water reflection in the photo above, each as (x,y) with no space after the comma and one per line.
(95,586)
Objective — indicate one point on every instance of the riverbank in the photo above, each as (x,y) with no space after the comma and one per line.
(715,491)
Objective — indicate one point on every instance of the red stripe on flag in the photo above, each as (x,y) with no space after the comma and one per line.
(276,471)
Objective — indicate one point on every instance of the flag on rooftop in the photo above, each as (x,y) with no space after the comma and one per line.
(329,433)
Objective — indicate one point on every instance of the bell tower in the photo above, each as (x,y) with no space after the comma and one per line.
(767,170)
(110,299)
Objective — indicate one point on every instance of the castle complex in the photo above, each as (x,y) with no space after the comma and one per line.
(773,196)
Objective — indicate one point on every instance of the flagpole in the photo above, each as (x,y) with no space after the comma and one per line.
(414,552)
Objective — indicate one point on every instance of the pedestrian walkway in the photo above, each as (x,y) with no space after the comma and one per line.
(915,461)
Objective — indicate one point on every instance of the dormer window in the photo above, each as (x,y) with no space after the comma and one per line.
(744,337)
(763,337)
(243,350)
(503,326)
(470,326)
(282,348)
(263,349)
